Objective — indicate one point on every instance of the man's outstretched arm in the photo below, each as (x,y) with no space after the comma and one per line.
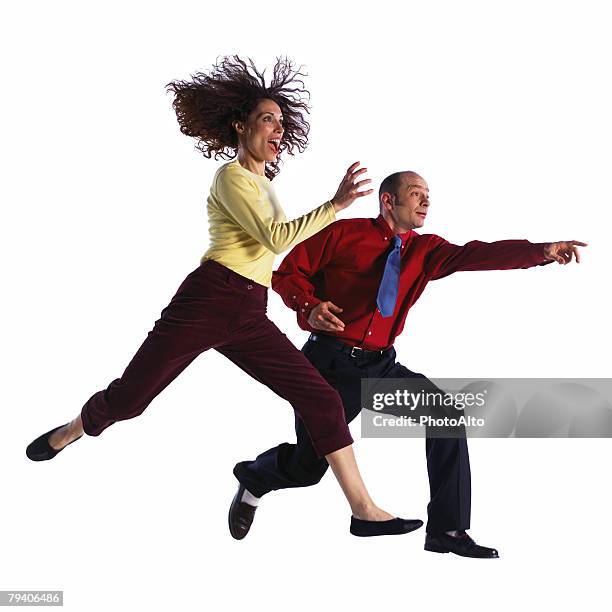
(445,258)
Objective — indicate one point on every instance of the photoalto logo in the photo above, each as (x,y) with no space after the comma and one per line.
(491,408)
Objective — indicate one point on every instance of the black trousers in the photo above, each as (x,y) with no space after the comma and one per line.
(297,465)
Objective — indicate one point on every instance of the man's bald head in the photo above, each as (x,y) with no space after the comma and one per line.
(392,183)
(404,200)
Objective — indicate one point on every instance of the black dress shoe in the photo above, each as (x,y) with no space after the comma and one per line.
(241,515)
(394,526)
(461,545)
(41,450)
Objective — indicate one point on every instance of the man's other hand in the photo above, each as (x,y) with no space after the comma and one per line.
(322,317)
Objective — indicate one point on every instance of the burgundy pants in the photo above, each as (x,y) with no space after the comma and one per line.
(216,308)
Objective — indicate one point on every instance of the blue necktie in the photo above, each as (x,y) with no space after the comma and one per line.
(387,292)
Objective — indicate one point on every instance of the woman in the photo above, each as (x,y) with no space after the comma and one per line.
(222,304)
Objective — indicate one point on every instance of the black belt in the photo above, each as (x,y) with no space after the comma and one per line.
(353,351)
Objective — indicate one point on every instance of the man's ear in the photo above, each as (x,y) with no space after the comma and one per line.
(387,200)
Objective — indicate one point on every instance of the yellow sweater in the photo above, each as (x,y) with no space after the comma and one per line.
(247,225)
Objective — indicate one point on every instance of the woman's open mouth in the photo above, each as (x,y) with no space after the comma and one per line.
(274,144)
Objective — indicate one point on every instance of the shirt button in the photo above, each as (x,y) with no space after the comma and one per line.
(303,310)
(294,297)
(249,287)
(305,303)
(369,333)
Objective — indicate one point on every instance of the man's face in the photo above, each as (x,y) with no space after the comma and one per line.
(407,208)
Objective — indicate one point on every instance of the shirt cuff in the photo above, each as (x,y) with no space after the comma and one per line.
(331,211)
(303,304)
(540,252)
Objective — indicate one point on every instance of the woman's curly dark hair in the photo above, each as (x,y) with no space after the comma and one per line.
(208,104)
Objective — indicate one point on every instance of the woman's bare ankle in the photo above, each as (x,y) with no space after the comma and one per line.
(370,512)
(66,434)
(76,426)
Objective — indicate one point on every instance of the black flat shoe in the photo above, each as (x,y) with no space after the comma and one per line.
(41,450)
(461,545)
(395,526)
(240,516)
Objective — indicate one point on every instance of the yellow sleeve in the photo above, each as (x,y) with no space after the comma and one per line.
(245,203)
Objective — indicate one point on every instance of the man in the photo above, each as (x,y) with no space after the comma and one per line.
(352,285)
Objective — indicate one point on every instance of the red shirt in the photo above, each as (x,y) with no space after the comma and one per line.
(344,264)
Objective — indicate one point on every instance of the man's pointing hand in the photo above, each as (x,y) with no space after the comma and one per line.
(562,252)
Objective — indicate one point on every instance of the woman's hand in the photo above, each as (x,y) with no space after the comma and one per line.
(348,191)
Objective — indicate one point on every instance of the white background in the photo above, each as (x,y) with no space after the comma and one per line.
(503,107)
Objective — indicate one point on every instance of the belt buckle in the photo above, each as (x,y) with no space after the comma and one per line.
(355,348)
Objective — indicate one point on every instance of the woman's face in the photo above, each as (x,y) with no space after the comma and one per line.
(260,135)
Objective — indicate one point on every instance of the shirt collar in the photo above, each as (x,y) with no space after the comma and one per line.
(386,231)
